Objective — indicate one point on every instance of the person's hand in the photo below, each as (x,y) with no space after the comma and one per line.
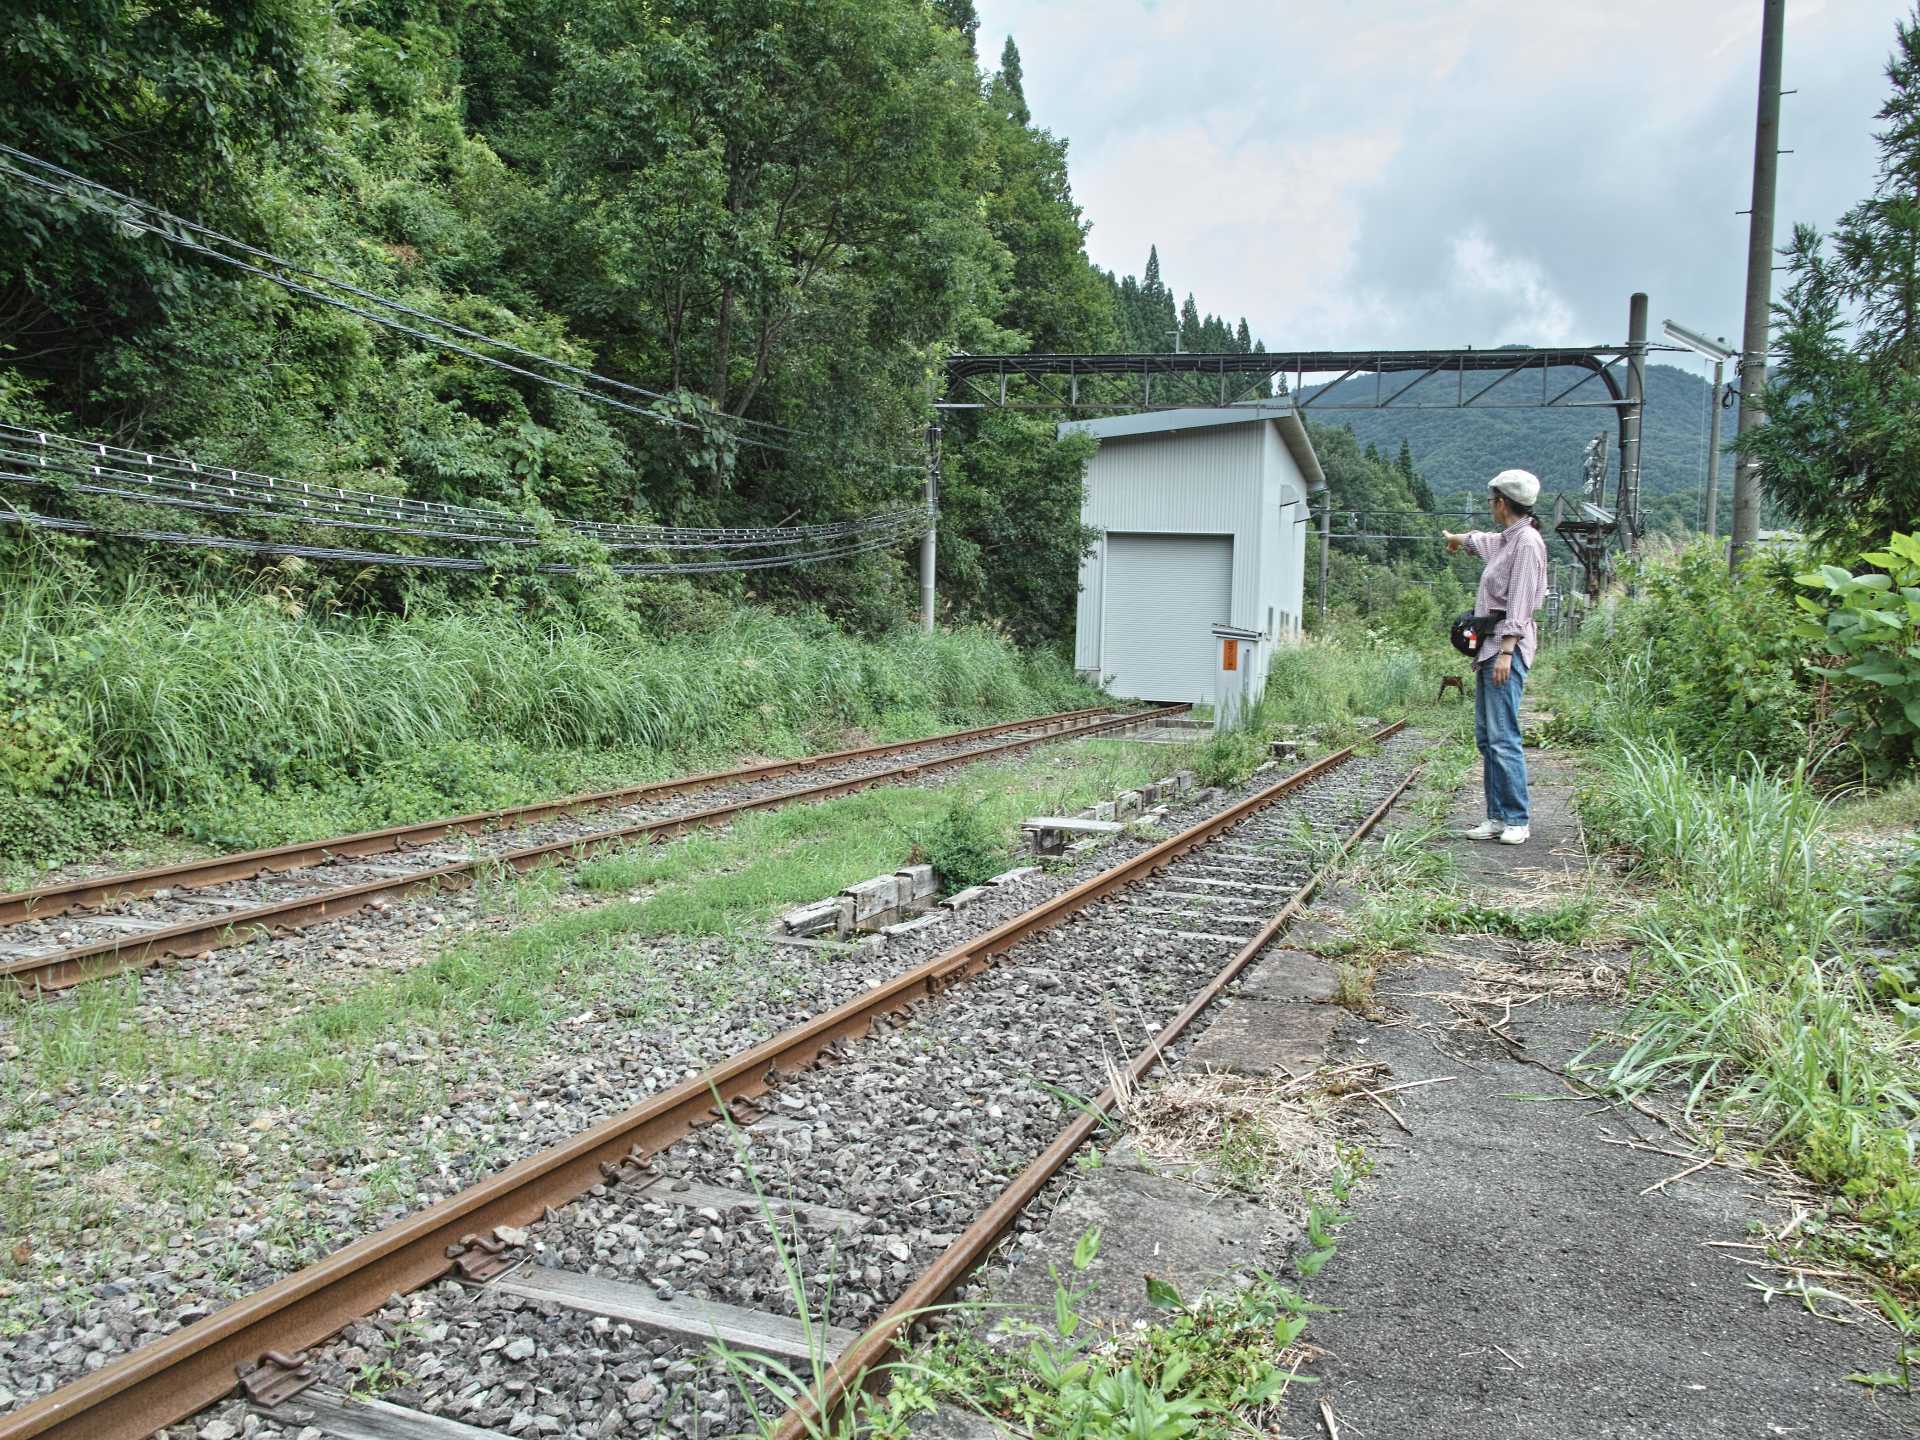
(1453,540)
(1502,667)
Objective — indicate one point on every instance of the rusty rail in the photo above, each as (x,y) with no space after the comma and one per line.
(178,1374)
(49,901)
(78,964)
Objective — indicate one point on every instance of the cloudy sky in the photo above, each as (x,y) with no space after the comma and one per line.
(1445,172)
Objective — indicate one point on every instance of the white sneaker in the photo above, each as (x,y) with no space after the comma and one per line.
(1515,835)
(1485,830)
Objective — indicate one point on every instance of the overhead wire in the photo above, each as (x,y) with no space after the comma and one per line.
(178,483)
(212,497)
(893,524)
(202,473)
(181,484)
(66,525)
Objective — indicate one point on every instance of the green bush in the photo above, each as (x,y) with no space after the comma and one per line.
(1229,756)
(39,832)
(38,747)
(1871,621)
(964,847)
(1718,662)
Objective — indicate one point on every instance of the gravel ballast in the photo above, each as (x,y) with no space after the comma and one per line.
(924,1122)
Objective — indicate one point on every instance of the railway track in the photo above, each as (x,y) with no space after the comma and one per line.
(902,1133)
(62,935)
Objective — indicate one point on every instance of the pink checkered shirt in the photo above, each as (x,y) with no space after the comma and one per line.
(1515,581)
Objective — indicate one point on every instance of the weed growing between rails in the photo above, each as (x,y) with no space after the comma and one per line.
(1215,1367)
(1218,1367)
(169,1118)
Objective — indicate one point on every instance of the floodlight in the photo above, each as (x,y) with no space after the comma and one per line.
(1715,350)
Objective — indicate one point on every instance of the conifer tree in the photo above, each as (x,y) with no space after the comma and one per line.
(1012,84)
(1243,338)
(960,15)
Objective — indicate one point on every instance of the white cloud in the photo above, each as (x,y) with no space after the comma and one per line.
(1525,303)
(1443,172)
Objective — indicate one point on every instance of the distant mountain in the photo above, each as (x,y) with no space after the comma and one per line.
(1456,451)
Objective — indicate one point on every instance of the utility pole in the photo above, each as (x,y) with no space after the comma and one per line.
(1326,546)
(1716,351)
(1627,520)
(928,541)
(1753,341)
(1713,452)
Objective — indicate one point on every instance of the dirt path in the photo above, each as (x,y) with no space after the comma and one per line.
(1514,1269)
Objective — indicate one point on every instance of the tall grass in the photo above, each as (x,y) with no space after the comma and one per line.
(170,695)
(1748,848)
(1338,678)
(1753,994)
(1323,684)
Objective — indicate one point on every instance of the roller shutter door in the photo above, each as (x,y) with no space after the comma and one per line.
(1164,595)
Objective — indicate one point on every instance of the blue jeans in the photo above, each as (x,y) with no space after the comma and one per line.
(1496,730)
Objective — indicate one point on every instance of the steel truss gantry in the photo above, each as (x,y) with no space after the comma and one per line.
(1501,378)
(1180,381)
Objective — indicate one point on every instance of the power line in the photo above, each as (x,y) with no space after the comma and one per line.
(191,485)
(31,519)
(895,524)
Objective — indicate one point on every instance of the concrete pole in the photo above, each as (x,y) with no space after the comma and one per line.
(1713,453)
(1628,516)
(929,541)
(1753,342)
(1326,546)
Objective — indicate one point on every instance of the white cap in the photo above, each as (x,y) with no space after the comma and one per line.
(1522,487)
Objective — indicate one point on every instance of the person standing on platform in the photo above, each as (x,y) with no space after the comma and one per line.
(1512,588)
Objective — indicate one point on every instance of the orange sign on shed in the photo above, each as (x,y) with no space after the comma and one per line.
(1230,655)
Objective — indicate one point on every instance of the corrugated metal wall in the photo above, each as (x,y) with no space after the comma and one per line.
(1226,480)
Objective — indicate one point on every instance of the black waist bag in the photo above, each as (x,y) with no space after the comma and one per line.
(1470,630)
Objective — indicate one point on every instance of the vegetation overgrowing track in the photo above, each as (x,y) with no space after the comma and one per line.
(1242,854)
(193,908)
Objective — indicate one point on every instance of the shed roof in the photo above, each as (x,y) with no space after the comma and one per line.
(1278,411)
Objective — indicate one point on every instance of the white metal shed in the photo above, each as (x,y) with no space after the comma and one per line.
(1202,519)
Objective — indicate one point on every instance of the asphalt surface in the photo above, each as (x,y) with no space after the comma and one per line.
(1502,1274)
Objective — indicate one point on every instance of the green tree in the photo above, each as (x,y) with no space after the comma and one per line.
(1840,451)
(176,104)
(962,17)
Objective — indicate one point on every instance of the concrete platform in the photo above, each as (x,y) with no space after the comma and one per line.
(947,1423)
(1149,1225)
(1290,975)
(1556,850)
(1260,1038)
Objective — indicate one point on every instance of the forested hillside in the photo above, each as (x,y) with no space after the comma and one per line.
(1457,451)
(768,214)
